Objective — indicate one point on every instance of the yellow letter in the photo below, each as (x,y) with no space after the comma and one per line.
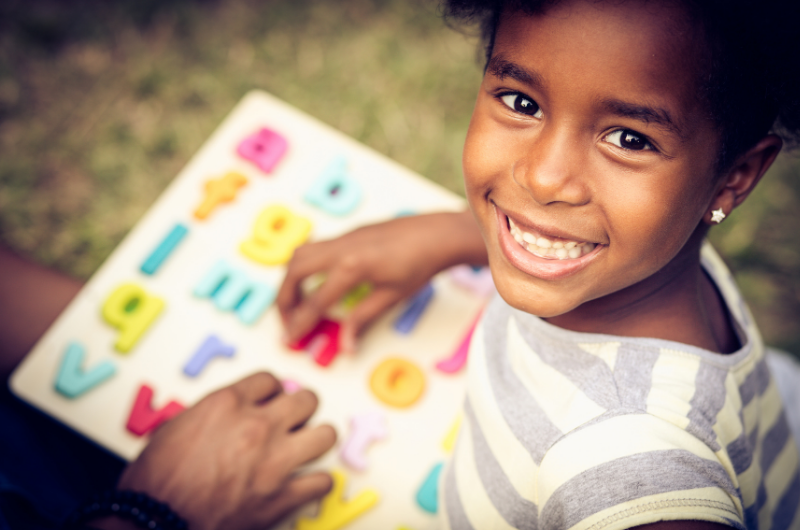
(131,310)
(334,511)
(397,382)
(275,236)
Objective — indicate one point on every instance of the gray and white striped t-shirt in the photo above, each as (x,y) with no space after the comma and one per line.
(565,430)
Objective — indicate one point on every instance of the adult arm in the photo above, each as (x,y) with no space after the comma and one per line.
(31,297)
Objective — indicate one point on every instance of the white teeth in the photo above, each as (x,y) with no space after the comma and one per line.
(544,248)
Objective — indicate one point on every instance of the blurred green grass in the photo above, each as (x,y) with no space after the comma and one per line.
(102,103)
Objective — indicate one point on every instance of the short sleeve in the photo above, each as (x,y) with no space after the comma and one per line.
(630,470)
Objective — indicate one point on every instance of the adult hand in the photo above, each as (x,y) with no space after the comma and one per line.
(229,461)
(396,258)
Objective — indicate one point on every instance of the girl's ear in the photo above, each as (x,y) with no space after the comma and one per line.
(740,180)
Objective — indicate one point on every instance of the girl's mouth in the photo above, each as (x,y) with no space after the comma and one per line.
(548,248)
(544,257)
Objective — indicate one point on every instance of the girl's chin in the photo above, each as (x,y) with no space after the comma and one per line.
(545,302)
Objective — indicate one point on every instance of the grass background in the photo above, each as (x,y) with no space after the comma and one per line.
(102,103)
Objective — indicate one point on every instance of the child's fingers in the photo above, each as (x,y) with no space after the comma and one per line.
(295,492)
(305,316)
(365,313)
(307,260)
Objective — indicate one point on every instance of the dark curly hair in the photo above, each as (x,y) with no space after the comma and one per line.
(752,85)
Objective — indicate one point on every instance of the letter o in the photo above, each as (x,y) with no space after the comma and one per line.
(397,382)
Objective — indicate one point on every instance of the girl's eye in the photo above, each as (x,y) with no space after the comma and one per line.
(628,139)
(522,104)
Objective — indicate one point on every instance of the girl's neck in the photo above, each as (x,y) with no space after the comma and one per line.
(679,303)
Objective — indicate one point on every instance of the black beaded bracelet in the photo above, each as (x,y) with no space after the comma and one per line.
(138,508)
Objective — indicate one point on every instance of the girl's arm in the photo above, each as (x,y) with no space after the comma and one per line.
(396,258)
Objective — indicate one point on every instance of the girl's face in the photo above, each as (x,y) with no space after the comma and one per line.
(589,161)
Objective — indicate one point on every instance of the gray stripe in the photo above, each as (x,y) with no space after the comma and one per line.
(518,511)
(633,373)
(455,510)
(751,512)
(786,510)
(774,442)
(525,418)
(629,478)
(755,383)
(741,450)
(707,402)
(586,371)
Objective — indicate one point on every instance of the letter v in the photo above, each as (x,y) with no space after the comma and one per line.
(72,380)
(143,418)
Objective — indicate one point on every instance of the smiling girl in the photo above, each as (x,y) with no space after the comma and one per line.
(618,380)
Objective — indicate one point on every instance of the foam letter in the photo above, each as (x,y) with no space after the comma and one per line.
(406,322)
(428,493)
(219,191)
(455,362)
(478,280)
(397,382)
(211,347)
(356,295)
(276,234)
(334,511)
(143,418)
(131,310)
(450,438)
(264,148)
(164,249)
(366,429)
(72,381)
(233,290)
(290,386)
(335,191)
(322,342)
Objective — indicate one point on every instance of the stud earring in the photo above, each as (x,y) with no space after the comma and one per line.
(717,215)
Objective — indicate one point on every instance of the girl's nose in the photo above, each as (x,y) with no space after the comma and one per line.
(552,169)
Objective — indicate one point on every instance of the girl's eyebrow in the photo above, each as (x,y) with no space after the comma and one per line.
(644,113)
(501,68)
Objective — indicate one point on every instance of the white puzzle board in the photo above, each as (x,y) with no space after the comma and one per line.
(398,464)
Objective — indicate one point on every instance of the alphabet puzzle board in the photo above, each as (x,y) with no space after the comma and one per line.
(185,306)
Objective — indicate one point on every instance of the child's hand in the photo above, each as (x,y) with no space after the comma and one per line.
(229,461)
(396,258)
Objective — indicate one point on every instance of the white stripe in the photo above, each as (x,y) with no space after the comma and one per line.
(608,440)
(564,404)
(606,351)
(477,506)
(515,461)
(673,386)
